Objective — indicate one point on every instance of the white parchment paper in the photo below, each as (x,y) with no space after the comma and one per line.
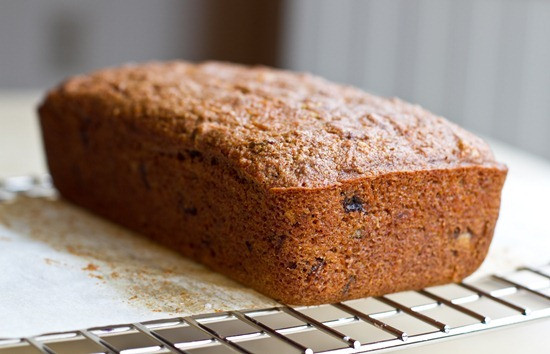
(62,268)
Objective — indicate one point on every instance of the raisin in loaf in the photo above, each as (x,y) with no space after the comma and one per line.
(307,191)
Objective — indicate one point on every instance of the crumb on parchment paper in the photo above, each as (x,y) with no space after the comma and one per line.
(91,267)
(50,261)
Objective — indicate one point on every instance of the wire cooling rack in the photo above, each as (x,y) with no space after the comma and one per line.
(364,325)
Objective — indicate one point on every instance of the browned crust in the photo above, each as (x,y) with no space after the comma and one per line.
(360,237)
(278,129)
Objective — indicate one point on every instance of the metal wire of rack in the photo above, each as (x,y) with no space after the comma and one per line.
(364,325)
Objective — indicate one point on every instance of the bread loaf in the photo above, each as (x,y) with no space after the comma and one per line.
(307,191)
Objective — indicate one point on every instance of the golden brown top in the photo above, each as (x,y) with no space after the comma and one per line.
(279,128)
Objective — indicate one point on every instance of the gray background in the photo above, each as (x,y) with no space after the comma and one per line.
(482,63)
